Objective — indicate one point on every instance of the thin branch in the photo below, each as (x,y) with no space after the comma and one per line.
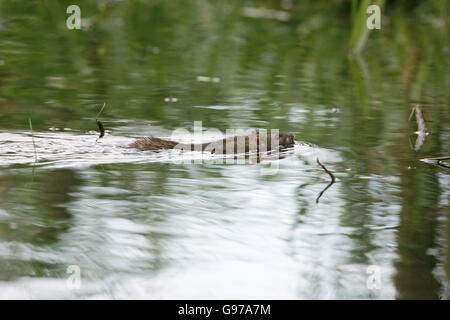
(104,104)
(32,138)
(421,129)
(411,114)
(437,158)
(99,123)
(420,120)
(437,161)
(333,179)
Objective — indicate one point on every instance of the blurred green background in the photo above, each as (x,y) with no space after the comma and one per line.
(279,64)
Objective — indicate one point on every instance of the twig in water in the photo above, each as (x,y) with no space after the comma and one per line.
(421,129)
(333,179)
(410,143)
(437,158)
(32,138)
(419,118)
(99,124)
(437,161)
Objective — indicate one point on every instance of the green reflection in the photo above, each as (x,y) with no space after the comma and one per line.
(295,75)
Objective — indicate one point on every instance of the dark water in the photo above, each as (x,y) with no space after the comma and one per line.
(142,225)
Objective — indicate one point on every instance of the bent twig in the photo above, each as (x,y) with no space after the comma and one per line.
(421,129)
(99,124)
(32,138)
(333,179)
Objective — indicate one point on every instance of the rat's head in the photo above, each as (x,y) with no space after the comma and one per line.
(286,139)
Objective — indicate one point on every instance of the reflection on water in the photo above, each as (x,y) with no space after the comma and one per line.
(141,225)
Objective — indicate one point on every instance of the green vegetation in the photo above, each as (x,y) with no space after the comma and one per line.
(320,74)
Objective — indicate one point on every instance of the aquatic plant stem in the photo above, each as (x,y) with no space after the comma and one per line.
(333,180)
(360,32)
(98,114)
(99,123)
(421,129)
(32,138)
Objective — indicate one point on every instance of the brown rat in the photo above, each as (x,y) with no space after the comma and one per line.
(253,142)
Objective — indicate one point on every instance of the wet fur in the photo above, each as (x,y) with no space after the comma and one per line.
(252,143)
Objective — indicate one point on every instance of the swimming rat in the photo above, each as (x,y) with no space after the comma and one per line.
(253,142)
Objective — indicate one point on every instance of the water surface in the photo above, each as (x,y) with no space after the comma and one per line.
(144,225)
